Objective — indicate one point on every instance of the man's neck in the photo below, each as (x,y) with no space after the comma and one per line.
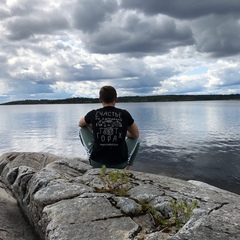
(108,104)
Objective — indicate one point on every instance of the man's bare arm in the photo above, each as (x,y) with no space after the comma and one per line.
(133,131)
(82,122)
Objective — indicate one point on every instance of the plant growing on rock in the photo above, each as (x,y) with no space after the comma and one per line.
(157,218)
(182,211)
(118,183)
(115,181)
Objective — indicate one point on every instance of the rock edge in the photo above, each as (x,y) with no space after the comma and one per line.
(57,195)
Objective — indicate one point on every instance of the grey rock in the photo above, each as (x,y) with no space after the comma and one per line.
(145,193)
(92,218)
(13,225)
(157,236)
(65,199)
(128,206)
(58,190)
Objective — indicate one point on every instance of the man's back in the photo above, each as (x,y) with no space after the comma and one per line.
(103,133)
(109,125)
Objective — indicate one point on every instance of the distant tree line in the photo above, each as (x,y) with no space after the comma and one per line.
(175,98)
(157,98)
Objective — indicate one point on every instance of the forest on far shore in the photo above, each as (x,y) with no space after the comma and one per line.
(157,98)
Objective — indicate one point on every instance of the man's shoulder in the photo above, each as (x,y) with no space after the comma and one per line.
(91,112)
(121,110)
(124,112)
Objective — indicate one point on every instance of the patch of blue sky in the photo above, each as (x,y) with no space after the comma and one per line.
(64,38)
(196,71)
(69,41)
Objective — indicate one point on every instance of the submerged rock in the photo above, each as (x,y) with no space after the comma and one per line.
(65,199)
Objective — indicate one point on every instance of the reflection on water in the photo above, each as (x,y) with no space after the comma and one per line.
(187,140)
(191,140)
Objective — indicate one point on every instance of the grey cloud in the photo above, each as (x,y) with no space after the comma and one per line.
(140,36)
(24,27)
(26,7)
(3,60)
(66,33)
(89,14)
(138,85)
(133,75)
(39,77)
(215,23)
(193,88)
(21,9)
(184,9)
(218,36)
(4,13)
(87,72)
(4,75)
(34,88)
(229,76)
(35,44)
(26,89)
(143,80)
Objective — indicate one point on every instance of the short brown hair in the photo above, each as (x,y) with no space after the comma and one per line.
(108,94)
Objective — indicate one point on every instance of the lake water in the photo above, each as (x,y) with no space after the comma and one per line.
(186,140)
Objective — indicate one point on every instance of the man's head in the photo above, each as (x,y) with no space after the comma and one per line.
(108,94)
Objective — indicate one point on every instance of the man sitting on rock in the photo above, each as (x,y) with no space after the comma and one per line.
(109,134)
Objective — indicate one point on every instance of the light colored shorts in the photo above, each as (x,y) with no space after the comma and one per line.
(87,139)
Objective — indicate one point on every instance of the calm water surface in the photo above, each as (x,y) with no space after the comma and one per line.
(187,140)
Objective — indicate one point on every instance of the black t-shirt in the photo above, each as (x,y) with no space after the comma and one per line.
(109,126)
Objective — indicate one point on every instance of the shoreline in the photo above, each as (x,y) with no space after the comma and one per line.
(156,98)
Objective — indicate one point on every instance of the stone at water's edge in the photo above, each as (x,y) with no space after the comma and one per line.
(58,197)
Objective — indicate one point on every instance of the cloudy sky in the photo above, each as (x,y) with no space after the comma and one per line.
(70,48)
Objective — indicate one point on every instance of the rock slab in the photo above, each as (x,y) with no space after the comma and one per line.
(13,225)
(60,199)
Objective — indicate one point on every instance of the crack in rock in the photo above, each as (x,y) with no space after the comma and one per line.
(217,207)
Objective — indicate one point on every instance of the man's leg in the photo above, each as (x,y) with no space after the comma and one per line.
(133,146)
(87,139)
